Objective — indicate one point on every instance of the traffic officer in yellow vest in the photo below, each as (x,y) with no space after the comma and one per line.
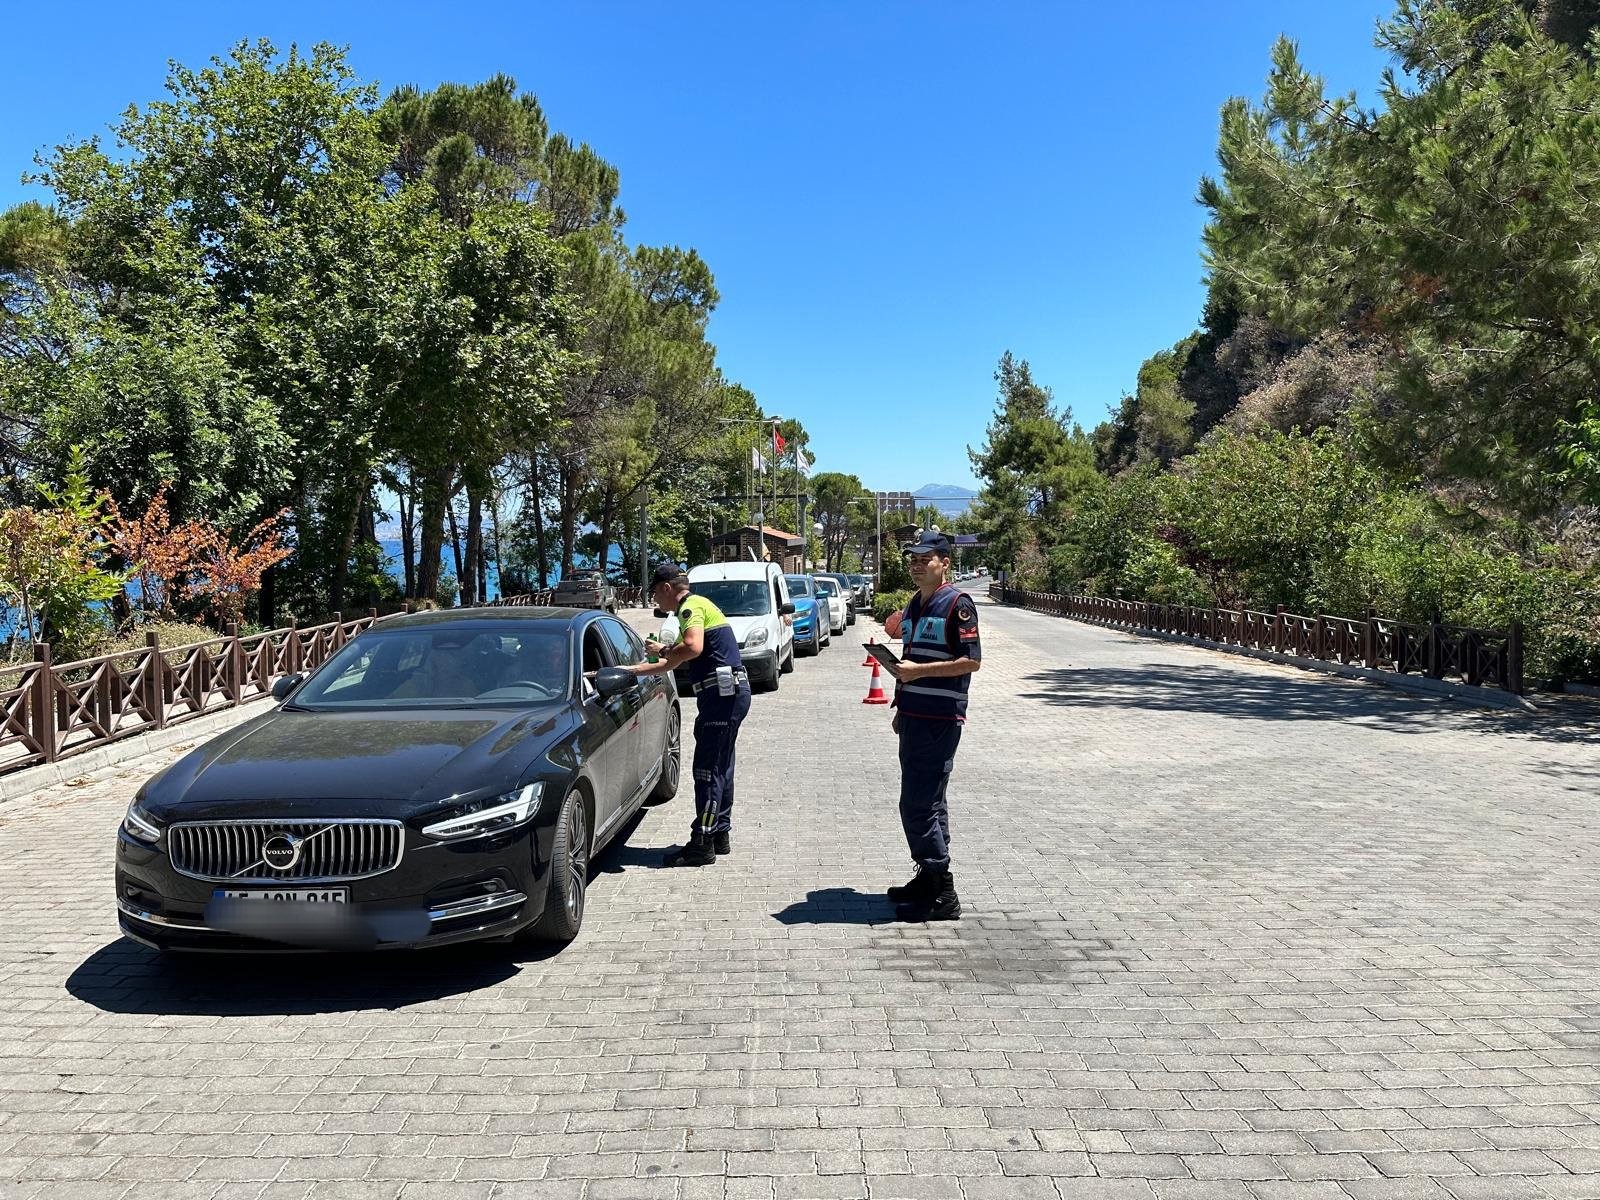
(939,631)
(709,650)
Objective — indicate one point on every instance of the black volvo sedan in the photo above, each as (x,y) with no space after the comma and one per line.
(443,777)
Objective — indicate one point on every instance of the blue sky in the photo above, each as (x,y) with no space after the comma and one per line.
(890,194)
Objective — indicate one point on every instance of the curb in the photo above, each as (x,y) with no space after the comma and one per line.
(30,781)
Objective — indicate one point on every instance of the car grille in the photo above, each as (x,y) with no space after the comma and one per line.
(328,850)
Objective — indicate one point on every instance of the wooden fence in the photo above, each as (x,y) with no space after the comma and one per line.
(50,711)
(1479,657)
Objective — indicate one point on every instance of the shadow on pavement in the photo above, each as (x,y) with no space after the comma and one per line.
(1248,695)
(837,906)
(125,977)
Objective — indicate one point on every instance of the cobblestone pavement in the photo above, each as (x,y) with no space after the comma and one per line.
(1233,933)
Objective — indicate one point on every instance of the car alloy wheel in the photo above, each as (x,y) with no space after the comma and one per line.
(671,758)
(569,873)
(577,863)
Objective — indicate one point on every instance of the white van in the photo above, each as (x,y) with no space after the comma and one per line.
(754,597)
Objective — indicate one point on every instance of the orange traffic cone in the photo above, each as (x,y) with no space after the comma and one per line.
(875,688)
(869,660)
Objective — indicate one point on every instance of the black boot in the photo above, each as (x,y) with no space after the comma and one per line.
(698,853)
(942,904)
(722,843)
(919,885)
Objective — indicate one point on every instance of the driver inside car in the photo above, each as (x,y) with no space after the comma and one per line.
(540,660)
(442,674)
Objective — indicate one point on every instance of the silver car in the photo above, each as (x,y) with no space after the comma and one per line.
(838,607)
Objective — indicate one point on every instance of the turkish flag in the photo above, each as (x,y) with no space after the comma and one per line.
(777,442)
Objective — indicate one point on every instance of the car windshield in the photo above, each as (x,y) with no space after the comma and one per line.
(858,579)
(577,585)
(445,666)
(736,597)
(799,585)
(827,587)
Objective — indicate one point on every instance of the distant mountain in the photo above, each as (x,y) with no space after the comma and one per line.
(949,499)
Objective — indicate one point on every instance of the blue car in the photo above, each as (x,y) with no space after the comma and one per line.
(812,629)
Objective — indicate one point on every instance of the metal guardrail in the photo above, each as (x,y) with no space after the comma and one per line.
(1477,657)
(50,711)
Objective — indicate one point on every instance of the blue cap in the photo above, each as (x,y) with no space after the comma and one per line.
(931,542)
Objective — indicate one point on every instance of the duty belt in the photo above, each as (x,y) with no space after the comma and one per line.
(705,685)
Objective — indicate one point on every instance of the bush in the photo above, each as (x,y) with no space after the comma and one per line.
(885,603)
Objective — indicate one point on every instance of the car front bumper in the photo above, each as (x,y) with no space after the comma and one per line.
(760,664)
(438,894)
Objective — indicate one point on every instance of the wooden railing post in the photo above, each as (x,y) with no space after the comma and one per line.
(235,654)
(291,660)
(44,702)
(1514,683)
(1277,630)
(1319,638)
(337,638)
(1435,650)
(155,684)
(1369,641)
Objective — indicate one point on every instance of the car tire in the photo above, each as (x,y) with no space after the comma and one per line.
(671,760)
(850,617)
(771,682)
(787,665)
(569,873)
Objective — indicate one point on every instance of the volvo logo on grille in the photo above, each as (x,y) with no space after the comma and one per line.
(281,851)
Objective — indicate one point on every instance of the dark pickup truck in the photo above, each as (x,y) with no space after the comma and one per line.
(585,591)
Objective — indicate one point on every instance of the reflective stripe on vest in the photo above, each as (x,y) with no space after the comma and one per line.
(926,639)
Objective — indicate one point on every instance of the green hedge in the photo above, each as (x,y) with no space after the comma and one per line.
(885,603)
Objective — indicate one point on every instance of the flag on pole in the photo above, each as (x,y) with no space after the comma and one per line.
(757,463)
(805,467)
(777,442)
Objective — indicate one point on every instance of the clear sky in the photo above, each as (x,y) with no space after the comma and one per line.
(890,193)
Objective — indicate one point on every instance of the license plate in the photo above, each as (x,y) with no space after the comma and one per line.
(289,895)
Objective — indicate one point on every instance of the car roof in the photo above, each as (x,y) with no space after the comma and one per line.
(707,572)
(497,615)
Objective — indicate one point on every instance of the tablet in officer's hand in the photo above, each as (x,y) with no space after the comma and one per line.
(886,656)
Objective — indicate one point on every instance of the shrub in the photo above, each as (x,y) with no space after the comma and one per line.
(885,603)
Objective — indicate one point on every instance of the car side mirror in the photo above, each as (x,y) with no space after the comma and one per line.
(613,681)
(285,684)
(787,609)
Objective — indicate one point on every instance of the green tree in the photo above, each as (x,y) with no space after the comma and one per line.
(1035,465)
(1441,225)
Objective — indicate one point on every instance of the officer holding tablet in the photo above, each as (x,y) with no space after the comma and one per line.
(939,632)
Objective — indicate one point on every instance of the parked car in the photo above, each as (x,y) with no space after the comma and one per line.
(812,620)
(444,777)
(754,596)
(829,591)
(585,589)
(846,587)
(862,584)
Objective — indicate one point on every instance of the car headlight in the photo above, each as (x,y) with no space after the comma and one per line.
(758,637)
(138,824)
(489,815)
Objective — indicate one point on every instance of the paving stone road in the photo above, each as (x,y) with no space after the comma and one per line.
(1233,933)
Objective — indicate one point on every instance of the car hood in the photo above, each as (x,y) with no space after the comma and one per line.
(389,763)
